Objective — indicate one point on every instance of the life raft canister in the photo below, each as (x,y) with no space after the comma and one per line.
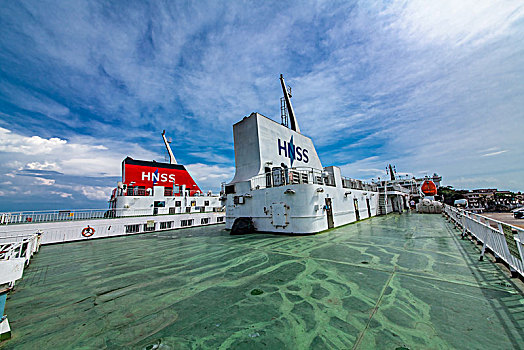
(429,188)
(88,231)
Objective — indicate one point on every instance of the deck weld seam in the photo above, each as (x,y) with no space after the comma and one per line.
(379,301)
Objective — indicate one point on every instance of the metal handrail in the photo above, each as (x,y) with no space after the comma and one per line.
(348,182)
(289,176)
(16,253)
(26,217)
(303,175)
(22,246)
(504,240)
(67,215)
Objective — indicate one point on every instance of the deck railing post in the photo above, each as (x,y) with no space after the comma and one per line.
(463,235)
(481,258)
(28,251)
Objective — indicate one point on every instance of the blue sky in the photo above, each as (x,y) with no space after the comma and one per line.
(427,86)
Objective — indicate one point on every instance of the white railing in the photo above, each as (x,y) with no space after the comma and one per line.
(294,176)
(68,215)
(393,187)
(504,240)
(15,254)
(281,177)
(22,246)
(358,184)
(27,217)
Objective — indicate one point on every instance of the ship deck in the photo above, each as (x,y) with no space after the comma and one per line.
(394,282)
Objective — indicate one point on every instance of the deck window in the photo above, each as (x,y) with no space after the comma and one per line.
(186,223)
(166,224)
(149,227)
(132,228)
(140,191)
(204,221)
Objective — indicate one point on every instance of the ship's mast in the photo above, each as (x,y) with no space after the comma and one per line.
(172,159)
(391,172)
(292,119)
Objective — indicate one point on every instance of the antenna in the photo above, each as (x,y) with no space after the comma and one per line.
(172,159)
(287,97)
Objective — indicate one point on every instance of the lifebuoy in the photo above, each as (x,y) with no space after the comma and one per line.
(88,231)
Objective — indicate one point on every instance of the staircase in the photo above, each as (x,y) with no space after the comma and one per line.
(382,204)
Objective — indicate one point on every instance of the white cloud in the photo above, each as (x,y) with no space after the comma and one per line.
(455,22)
(494,153)
(96,192)
(209,177)
(107,165)
(16,164)
(15,143)
(62,194)
(70,169)
(491,149)
(42,166)
(83,156)
(45,182)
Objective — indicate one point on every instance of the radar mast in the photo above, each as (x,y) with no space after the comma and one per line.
(287,97)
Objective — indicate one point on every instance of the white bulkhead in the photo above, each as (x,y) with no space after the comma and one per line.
(281,186)
(261,142)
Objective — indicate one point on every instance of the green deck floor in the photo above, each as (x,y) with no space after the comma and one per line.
(383,283)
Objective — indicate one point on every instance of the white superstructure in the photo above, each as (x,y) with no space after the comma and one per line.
(281,186)
(152,196)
